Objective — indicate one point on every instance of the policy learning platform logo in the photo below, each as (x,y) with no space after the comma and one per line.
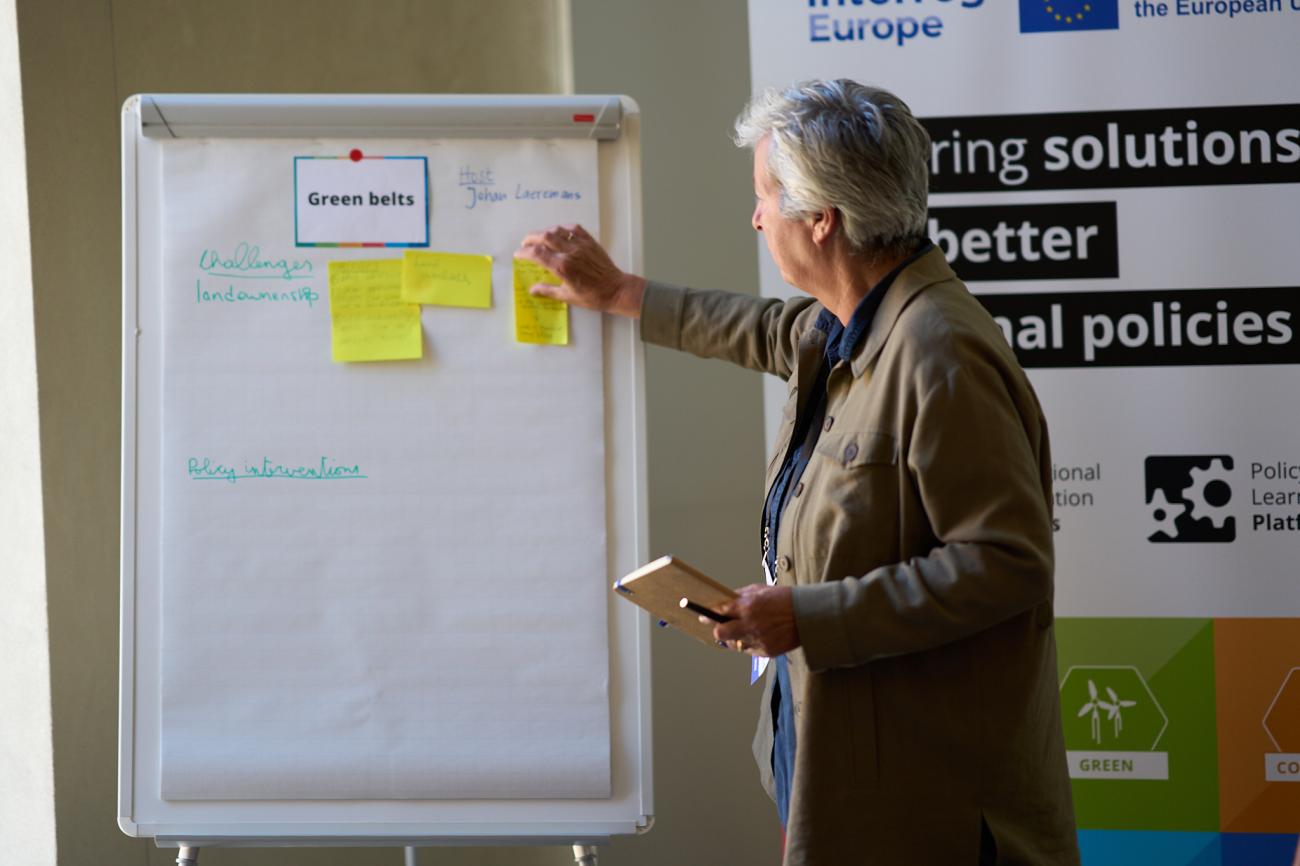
(1054,16)
(1187,498)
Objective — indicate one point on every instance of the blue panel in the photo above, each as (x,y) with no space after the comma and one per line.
(1134,848)
(1259,849)
(1066,15)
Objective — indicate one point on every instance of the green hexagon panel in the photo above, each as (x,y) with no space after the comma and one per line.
(1116,710)
(1138,710)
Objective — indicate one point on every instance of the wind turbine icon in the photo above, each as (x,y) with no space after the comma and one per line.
(1112,707)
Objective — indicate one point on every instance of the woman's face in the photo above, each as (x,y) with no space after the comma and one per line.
(788,240)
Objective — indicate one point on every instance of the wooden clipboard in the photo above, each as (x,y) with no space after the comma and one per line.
(660,586)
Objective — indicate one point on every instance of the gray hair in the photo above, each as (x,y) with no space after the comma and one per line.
(843,145)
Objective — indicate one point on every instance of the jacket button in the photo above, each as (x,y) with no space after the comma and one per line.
(826,426)
(783,563)
(850,451)
(798,488)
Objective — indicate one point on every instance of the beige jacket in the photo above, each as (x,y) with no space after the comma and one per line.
(919,546)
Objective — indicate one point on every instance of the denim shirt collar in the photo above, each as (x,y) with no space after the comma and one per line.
(841,340)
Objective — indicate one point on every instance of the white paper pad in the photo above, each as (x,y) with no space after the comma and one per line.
(430,622)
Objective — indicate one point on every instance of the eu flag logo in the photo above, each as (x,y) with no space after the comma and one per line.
(1050,16)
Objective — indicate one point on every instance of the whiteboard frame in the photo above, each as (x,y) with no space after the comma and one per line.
(148,121)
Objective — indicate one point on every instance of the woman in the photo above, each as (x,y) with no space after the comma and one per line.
(911,715)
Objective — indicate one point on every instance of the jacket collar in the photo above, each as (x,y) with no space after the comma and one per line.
(929,269)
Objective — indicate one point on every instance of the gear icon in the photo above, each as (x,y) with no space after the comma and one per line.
(1208,494)
(1164,513)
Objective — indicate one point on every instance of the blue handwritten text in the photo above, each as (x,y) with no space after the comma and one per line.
(247,263)
(207,469)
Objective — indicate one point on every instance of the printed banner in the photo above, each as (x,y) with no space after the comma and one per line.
(1119,184)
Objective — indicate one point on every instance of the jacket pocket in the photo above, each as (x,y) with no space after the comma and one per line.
(866,766)
(855,449)
(845,719)
(851,504)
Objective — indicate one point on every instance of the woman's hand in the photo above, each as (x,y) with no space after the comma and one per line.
(763,621)
(591,279)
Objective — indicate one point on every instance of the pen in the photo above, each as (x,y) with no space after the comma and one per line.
(687,604)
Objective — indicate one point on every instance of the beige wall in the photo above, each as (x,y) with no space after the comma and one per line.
(686,64)
(80,60)
(26,774)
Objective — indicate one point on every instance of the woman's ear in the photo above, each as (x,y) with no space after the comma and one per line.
(824,225)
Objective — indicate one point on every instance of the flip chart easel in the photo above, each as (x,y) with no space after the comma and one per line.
(193,566)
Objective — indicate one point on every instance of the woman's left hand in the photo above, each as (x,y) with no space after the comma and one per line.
(763,621)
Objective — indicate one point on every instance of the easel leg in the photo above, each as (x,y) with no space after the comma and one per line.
(188,856)
(584,855)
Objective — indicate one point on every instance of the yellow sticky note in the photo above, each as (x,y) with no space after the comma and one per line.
(447,279)
(368,320)
(538,320)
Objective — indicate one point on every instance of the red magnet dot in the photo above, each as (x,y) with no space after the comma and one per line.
(355,155)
